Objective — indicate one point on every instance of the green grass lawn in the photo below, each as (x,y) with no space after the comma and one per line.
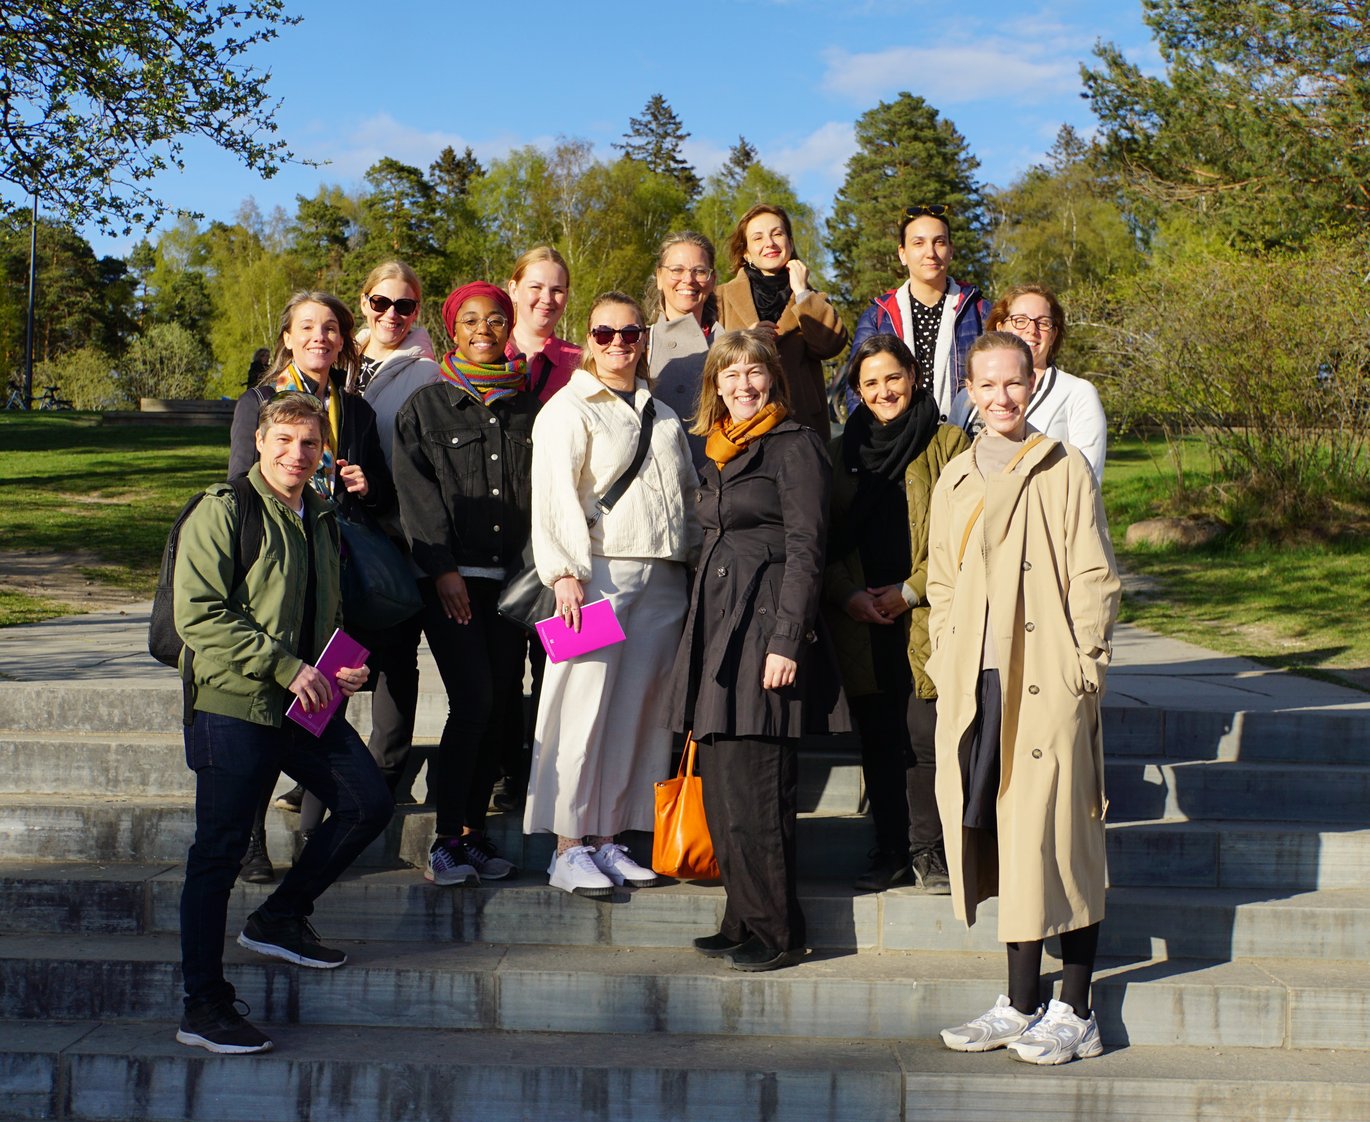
(69,483)
(1301,607)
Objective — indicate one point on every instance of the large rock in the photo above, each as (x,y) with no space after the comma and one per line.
(1184,532)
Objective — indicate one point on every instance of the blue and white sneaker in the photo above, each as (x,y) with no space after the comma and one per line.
(482,854)
(449,864)
(1059,1037)
(1000,1025)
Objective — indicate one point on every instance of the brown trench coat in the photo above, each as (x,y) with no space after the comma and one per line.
(808,334)
(1048,586)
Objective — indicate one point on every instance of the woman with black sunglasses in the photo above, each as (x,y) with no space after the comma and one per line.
(596,749)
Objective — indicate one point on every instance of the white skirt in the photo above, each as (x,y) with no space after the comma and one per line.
(598,749)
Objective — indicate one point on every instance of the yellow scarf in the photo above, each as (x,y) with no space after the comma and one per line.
(728,439)
(291,379)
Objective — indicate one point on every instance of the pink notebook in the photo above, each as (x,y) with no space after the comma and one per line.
(599,627)
(341,651)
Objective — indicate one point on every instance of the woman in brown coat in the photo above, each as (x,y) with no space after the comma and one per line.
(1023,592)
(752,674)
(771,293)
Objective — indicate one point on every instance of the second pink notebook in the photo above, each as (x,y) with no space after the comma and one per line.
(599,627)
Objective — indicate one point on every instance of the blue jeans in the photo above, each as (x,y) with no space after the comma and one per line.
(232,761)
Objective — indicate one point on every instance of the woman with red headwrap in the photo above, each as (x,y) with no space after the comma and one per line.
(462,459)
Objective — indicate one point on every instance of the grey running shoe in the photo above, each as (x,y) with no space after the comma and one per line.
(997,1027)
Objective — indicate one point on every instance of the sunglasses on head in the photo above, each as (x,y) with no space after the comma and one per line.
(403,306)
(931,210)
(605,335)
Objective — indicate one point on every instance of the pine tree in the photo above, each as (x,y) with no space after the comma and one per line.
(741,156)
(655,139)
(906,154)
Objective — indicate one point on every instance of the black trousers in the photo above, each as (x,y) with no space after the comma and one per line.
(899,762)
(751,794)
(394,665)
(480,664)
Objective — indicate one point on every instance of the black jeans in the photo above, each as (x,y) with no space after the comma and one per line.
(232,759)
(481,665)
(751,794)
(394,665)
(899,763)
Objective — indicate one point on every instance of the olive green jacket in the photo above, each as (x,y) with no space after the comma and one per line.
(844,576)
(245,639)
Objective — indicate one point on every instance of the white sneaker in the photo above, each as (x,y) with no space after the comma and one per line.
(1001,1025)
(448,864)
(1059,1037)
(613,861)
(576,871)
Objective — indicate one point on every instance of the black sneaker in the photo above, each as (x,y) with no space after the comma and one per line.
(485,858)
(929,869)
(256,867)
(886,871)
(293,939)
(217,1026)
(291,800)
(508,795)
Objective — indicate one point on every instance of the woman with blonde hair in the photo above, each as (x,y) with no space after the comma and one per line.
(596,750)
(770,292)
(680,303)
(1022,596)
(539,286)
(754,670)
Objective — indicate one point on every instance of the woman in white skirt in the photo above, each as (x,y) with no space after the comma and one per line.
(596,749)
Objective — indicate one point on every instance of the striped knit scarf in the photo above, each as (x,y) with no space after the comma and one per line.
(487,384)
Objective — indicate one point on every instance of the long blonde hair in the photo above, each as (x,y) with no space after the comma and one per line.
(729,348)
(347,358)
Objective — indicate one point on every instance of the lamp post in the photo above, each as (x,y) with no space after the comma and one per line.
(33,288)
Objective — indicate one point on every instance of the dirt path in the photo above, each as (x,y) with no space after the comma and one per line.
(60,577)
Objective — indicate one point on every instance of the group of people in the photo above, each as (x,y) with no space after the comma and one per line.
(771,583)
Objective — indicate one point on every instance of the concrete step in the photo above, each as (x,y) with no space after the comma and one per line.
(136,1072)
(1260,1003)
(399,905)
(1321,736)
(1141,789)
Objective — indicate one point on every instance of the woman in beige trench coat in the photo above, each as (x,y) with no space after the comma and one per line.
(1023,592)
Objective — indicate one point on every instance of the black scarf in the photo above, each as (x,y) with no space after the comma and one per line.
(884,452)
(770,294)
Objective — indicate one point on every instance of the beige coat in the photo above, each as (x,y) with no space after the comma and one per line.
(808,333)
(1038,568)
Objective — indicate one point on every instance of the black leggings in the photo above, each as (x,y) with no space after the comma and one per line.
(1078,949)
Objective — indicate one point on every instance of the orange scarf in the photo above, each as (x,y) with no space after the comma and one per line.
(729,439)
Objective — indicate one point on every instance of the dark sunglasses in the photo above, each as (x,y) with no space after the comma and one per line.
(931,210)
(382,304)
(605,335)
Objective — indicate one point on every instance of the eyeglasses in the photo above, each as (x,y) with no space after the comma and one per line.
(403,306)
(931,210)
(1020,323)
(605,335)
(679,272)
(497,321)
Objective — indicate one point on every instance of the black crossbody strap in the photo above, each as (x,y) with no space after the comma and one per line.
(605,502)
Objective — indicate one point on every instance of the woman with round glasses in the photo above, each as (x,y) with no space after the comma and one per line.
(680,302)
(597,751)
(1063,406)
(539,287)
(315,353)
(463,458)
(771,293)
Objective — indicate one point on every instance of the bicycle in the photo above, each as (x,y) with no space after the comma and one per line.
(16,397)
(50,400)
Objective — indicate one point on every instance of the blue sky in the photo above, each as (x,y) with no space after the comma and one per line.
(364,80)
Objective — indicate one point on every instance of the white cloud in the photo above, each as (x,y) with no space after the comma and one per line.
(948,75)
(381,135)
(704,156)
(825,151)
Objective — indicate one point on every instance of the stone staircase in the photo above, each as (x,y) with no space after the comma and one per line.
(1233,982)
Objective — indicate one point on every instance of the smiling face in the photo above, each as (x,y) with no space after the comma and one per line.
(1000,387)
(389,328)
(616,361)
(926,251)
(768,246)
(540,298)
(885,386)
(745,387)
(478,339)
(314,340)
(289,454)
(686,280)
(1034,308)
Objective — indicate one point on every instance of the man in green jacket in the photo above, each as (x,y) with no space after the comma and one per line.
(253,649)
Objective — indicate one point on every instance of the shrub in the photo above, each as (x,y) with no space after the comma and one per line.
(84,377)
(165,361)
